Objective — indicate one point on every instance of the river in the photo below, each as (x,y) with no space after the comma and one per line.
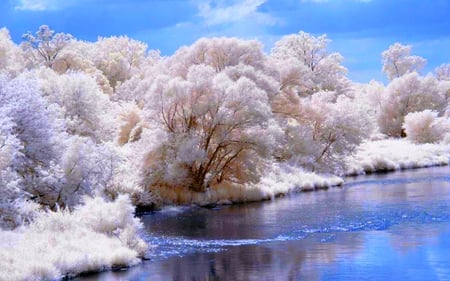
(380,227)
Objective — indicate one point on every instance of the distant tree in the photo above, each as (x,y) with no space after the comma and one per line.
(46,46)
(11,56)
(82,104)
(398,61)
(321,131)
(325,69)
(218,53)
(118,57)
(406,94)
(425,126)
(443,72)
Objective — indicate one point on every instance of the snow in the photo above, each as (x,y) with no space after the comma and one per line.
(96,236)
(396,154)
(281,179)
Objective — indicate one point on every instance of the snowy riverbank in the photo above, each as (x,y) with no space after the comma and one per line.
(97,236)
(280,180)
(370,157)
(396,154)
(101,235)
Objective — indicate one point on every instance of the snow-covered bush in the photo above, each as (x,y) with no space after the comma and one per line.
(395,154)
(98,235)
(406,94)
(426,127)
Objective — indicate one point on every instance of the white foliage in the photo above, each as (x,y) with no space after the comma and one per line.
(216,117)
(407,94)
(323,131)
(11,56)
(396,154)
(426,127)
(118,57)
(217,53)
(98,235)
(83,106)
(398,61)
(35,133)
(443,72)
(325,69)
(45,47)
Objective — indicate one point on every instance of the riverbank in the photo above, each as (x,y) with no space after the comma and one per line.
(97,236)
(281,179)
(102,235)
(333,235)
(396,154)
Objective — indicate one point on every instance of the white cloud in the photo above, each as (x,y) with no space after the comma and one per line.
(43,5)
(328,1)
(223,12)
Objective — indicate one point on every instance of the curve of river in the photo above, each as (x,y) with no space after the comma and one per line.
(391,226)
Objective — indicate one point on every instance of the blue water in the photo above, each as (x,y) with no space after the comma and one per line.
(380,227)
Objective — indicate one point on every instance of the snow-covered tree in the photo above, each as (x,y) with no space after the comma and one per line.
(11,56)
(213,127)
(118,57)
(443,72)
(426,127)
(36,132)
(406,94)
(321,131)
(46,46)
(14,209)
(398,61)
(217,53)
(324,69)
(86,110)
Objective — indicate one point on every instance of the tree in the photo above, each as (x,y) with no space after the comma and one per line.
(118,57)
(443,72)
(406,94)
(212,125)
(217,53)
(86,110)
(320,131)
(11,57)
(35,133)
(398,61)
(13,207)
(325,69)
(425,126)
(46,45)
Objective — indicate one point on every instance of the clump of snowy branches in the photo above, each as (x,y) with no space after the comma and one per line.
(96,236)
(426,127)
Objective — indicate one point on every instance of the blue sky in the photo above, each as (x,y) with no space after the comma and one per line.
(360,29)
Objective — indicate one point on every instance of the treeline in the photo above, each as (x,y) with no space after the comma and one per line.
(109,117)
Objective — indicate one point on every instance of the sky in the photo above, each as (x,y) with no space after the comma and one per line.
(359,29)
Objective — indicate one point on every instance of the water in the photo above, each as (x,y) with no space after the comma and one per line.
(380,227)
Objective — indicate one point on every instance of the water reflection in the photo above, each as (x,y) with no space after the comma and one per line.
(393,227)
